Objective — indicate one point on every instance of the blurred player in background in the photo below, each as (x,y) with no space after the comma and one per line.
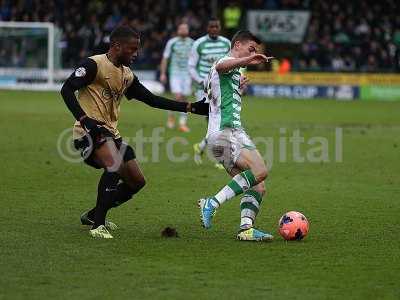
(205,51)
(228,141)
(101,82)
(175,59)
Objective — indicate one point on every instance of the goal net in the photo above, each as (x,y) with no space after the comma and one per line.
(29,56)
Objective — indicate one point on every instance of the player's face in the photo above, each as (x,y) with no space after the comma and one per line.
(213,29)
(183,30)
(128,51)
(246,48)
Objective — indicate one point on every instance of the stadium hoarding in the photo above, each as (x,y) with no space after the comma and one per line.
(362,86)
(305,91)
(373,92)
(278,26)
(315,78)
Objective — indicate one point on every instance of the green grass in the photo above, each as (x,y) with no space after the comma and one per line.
(352,251)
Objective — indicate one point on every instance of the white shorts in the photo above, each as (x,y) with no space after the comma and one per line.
(181,85)
(226,145)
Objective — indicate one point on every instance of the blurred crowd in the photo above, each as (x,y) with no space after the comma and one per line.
(354,36)
(86,25)
(357,35)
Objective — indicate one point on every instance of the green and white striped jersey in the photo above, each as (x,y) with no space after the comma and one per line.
(177,51)
(205,52)
(224,95)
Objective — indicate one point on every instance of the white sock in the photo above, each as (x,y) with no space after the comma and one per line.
(246,222)
(239,184)
(223,195)
(249,207)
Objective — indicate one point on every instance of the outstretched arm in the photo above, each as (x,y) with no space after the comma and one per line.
(138,91)
(229,64)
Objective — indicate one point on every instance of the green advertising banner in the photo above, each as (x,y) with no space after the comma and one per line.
(374,92)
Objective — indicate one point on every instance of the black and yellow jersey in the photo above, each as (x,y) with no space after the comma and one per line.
(101,86)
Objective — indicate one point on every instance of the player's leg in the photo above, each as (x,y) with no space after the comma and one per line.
(252,172)
(203,144)
(185,84)
(250,205)
(249,208)
(182,116)
(252,198)
(171,119)
(132,181)
(86,147)
(200,147)
(177,88)
(109,158)
(240,158)
(173,89)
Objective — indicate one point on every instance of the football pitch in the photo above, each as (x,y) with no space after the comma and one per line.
(351,197)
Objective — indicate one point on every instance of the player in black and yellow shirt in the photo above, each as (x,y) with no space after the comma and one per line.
(101,82)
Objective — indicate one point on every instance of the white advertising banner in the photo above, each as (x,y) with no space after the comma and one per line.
(278,26)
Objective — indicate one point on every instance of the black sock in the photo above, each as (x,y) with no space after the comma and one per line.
(124,193)
(105,196)
(91,213)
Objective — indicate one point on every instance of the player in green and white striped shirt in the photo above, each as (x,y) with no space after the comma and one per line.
(175,58)
(228,141)
(205,51)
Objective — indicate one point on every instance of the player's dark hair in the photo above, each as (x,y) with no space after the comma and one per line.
(183,23)
(123,33)
(212,19)
(243,36)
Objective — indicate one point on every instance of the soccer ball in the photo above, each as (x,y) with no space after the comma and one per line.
(293,226)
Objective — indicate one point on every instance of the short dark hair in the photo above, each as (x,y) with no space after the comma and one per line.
(212,19)
(244,35)
(183,23)
(122,33)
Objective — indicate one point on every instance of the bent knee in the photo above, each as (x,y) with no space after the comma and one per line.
(141,183)
(260,188)
(261,174)
(137,184)
(111,163)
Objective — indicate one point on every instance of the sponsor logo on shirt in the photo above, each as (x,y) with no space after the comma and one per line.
(80,72)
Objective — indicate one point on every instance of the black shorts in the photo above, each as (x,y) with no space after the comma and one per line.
(86,148)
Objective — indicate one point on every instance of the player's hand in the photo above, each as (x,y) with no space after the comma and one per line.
(93,127)
(199,107)
(243,82)
(163,78)
(259,58)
